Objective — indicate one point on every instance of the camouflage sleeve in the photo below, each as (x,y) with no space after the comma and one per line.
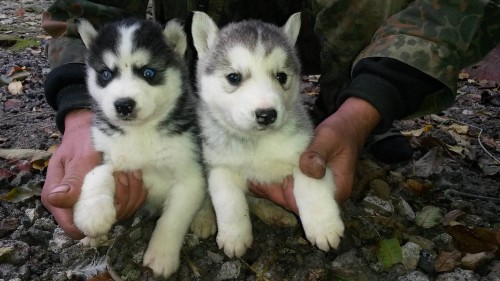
(439,38)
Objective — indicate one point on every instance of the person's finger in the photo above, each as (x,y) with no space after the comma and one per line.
(122,193)
(288,195)
(135,197)
(313,161)
(64,218)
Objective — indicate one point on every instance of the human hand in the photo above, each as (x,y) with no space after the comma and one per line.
(67,168)
(337,144)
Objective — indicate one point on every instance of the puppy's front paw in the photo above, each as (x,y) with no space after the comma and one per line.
(162,261)
(235,239)
(95,241)
(323,229)
(204,223)
(95,216)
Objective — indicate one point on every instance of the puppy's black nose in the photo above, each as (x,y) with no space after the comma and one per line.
(266,116)
(124,106)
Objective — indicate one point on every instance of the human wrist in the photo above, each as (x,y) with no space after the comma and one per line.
(358,118)
(78,119)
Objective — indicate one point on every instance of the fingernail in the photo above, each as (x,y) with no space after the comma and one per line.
(137,175)
(317,161)
(122,178)
(61,189)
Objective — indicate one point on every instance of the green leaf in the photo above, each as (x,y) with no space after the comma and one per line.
(390,252)
(21,193)
(429,216)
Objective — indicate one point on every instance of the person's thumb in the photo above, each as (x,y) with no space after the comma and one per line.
(313,161)
(65,194)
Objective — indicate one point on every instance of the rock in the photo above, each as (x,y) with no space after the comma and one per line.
(229,270)
(443,242)
(405,210)
(414,276)
(14,252)
(473,261)
(427,261)
(411,255)
(350,265)
(376,205)
(423,242)
(59,241)
(494,275)
(214,257)
(458,275)
(8,225)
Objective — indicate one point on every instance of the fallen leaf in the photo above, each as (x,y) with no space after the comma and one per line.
(418,132)
(447,261)
(429,216)
(452,216)
(475,240)
(430,163)
(21,193)
(390,252)
(416,186)
(24,154)
(461,129)
(15,87)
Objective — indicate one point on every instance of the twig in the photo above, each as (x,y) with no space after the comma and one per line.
(449,193)
(260,275)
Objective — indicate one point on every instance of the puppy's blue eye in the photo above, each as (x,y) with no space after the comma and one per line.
(281,77)
(149,73)
(234,78)
(106,75)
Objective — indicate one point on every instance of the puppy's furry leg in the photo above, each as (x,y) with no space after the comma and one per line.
(94,212)
(319,212)
(270,213)
(204,223)
(180,207)
(227,190)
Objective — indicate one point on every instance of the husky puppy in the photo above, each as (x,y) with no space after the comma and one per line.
(255,126)
(144,120)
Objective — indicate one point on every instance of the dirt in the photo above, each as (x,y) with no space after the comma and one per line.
(445,201)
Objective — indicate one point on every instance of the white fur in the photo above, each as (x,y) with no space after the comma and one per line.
(171,173)
(237,149)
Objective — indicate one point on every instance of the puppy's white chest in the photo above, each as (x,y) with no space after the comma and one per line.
(134,150)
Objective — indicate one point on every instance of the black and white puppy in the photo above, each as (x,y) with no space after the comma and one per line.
(144,120)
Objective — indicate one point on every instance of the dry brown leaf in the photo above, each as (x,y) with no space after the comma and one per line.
(15,87)
(475,240)
(25,154)
(447,261)
(461,129)
(418,132)
(416,186)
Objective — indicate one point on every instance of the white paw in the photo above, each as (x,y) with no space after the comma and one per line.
(204,223)
(95,216)
(94,242)
(324,229)
(235,239)
(162,261)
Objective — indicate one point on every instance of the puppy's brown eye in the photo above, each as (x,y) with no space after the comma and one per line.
(234,79)
(282,77)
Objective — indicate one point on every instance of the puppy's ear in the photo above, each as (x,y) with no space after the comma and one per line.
(176,37)
(87,31)
(292,27)
(204,32)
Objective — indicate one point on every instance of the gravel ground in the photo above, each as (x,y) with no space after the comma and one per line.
(442,208)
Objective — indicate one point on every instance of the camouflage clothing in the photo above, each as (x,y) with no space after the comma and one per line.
(436,37)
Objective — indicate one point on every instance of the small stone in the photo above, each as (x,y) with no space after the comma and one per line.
(444,242)
(423,242)
(216,258)
(59,241)
(229,270)
(473,261)
(427,261)
(405,210)
(376,205)
(411,255)
(458,275)
(414,276)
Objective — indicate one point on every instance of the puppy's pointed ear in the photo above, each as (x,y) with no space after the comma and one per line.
(204,32)
(176,37)
(292,27)
(87,31)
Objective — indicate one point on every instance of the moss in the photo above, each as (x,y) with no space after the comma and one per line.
(16,44)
